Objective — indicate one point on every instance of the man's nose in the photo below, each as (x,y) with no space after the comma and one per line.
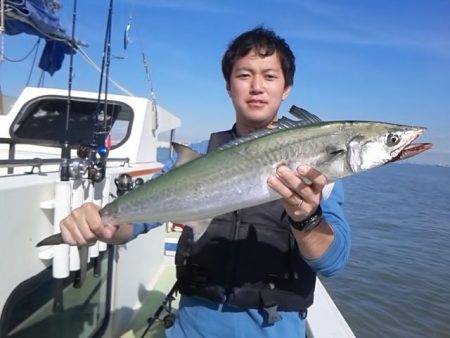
(256,85)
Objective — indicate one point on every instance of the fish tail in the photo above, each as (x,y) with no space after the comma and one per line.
(51,240)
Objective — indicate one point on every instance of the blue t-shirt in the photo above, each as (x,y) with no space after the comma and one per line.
(198,317)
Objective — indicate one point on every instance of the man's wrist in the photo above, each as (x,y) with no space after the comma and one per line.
(309,223)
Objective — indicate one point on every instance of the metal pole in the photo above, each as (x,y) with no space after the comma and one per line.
(2,30)
(172,138)
(11,154)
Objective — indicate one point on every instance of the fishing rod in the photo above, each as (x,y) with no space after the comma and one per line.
(62,191)
(101,130)
(65,151)
(97,153)
(91,159)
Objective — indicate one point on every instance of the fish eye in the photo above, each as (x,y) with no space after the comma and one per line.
(392,140)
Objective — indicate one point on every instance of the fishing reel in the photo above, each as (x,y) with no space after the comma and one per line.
(90,161)
(94,161)
(125,183)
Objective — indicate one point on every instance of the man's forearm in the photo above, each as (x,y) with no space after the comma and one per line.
(314,243)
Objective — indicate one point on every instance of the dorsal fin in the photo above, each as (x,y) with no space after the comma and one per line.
(303,115)
(185,154)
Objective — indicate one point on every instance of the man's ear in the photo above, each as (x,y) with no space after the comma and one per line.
(227,87)
(286,92)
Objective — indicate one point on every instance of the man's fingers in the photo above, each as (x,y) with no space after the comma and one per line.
(317,179)
(280,187)
(71,232)
(83,226)
(108,230)
(289,178)
(67,236)
(92,219)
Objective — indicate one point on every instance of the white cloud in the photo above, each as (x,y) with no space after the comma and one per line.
(365,23)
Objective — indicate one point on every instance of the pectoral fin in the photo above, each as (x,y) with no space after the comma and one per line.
(199,227)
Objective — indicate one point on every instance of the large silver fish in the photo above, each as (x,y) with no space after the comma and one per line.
(235,176)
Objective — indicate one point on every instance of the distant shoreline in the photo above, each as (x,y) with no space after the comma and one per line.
(431,158)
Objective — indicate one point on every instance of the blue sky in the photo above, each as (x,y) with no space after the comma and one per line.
(367,60)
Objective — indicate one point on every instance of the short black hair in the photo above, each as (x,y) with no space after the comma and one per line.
(265,42)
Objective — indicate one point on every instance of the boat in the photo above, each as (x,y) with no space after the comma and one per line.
(51,164)
(32,198)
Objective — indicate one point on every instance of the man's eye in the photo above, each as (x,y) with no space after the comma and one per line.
(243,76)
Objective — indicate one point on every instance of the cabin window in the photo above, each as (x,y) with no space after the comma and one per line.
(29,311)
(121,128)
(43,121)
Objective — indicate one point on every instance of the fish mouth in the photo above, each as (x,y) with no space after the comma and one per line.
(412,150)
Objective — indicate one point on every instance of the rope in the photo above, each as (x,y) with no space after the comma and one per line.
(26,56)
(97,68)
(75,45)
(33,63)
(41,79)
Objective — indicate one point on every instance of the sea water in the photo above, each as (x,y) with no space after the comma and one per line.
(396,283)
(397,280)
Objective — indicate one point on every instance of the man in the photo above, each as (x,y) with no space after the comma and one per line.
(252,274)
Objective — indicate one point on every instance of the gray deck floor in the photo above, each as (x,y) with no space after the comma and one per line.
(152,301)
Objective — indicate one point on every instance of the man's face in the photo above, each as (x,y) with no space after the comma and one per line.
(257,88)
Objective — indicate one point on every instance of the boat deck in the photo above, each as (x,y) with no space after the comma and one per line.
(152,300)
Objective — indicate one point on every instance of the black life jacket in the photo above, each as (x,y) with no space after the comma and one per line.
(246,258)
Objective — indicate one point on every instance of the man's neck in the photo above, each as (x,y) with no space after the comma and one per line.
(244,130)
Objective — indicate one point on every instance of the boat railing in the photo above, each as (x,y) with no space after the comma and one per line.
(11,150)
(37,162)
(11,162)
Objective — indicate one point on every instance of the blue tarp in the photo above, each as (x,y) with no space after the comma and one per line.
(38,17)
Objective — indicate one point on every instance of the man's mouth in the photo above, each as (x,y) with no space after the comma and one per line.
(256,103)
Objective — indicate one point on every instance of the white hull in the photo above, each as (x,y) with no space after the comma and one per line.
(29,210)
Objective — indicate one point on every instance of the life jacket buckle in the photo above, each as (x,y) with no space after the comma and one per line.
(272,314)
(270,306)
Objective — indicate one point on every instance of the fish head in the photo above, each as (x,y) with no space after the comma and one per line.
(374,144)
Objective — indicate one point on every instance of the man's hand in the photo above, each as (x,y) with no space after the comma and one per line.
(84,226)
(301,191)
